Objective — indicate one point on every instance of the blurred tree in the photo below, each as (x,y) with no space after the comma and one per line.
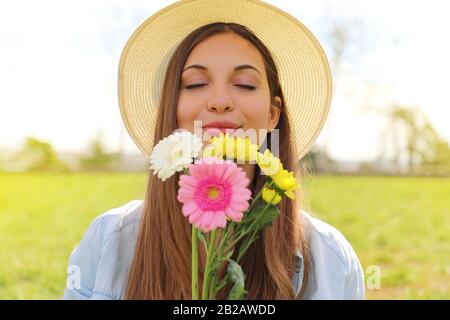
(410,137)
(438,159)
(347,37)
(98,158)
(37,155)
(317,160)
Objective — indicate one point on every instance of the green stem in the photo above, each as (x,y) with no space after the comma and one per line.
(221,285)
(222,241)
(220,251)
(212,286)
(225,279)
(194,276)
(244,232)
(213,290)
(211,247)
(194,257)
(247,230)
(266,185)
(252,239)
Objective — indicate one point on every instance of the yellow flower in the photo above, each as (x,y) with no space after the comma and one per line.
(290,194)
(238,148)
(269,164)
(286,181)
(271,196)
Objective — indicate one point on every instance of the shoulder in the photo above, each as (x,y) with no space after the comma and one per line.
(118,218)
(330,237)
(111,232)
(331,250)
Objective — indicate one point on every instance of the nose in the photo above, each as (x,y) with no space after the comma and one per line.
(219,108)
(220,101)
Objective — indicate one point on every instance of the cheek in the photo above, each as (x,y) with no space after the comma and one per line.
(186,114)
(256,114)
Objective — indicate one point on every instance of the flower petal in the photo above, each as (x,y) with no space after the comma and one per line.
(219,220)
(188,181)
(228,171)
(185,194)
(205,220)
(194,217)
(239,206)
(237,177)
(230,182)
(241,196)
(234,215)
(189,208)
(199,171)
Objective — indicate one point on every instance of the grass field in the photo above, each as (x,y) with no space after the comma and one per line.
(401,225)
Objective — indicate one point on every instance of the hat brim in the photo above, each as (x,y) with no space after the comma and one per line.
(303,67)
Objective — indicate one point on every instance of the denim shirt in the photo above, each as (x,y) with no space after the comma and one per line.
(98,267)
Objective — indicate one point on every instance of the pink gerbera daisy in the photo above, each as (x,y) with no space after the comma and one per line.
(214,190)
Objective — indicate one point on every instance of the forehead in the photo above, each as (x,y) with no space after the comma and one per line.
(225,51)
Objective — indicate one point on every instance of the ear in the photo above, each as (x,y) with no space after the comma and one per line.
(274,116)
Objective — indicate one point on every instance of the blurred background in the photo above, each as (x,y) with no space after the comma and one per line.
(379,171)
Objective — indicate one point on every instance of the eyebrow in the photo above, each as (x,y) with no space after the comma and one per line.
(238,68)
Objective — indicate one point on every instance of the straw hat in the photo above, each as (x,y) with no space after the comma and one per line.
(302,65)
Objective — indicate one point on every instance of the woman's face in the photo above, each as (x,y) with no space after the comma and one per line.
(223,93)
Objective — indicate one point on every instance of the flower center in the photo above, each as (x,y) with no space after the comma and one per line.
(213,194)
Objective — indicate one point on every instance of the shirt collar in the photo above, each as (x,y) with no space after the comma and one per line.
(298,261)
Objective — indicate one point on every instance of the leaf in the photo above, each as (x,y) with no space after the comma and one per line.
(229,254)
(268,217)
(264,219)
(253,214)
(237,276)
(246,244)
(201,237)
(217,263)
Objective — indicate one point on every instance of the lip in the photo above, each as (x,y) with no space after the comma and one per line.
(216,131)
(221,125)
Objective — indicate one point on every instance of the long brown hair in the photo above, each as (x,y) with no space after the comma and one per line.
(161,268)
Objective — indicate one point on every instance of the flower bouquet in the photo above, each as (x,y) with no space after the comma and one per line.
(214,196)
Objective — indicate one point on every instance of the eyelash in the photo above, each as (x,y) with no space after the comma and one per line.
(194,86)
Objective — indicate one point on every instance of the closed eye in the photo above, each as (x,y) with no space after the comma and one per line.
(246,86)
(243,86)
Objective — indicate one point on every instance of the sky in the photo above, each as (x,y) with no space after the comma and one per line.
(59,61)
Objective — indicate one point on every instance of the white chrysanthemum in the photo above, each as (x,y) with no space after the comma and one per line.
(173,153)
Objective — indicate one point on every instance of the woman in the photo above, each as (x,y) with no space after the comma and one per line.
(218,72)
